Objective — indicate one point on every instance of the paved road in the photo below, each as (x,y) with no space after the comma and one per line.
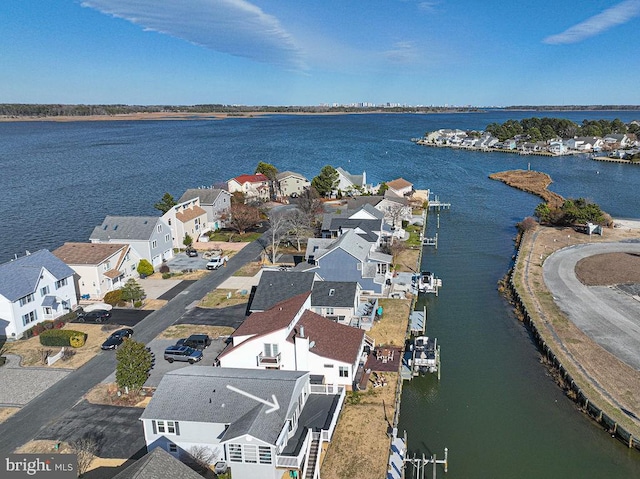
(607,315)
(53,403)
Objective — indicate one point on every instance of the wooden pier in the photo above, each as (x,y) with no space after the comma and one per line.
(438,205)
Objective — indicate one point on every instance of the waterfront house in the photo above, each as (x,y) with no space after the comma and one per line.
(99,267)
(367,221)
(215,201)
(289,336)
(613,141)
(34,288)
(290,183)
(186,218)
(509,144)
(585,143)
(352,184)
(277,286)
(149,236)
(557,147)
(395,208)
(487,141)
(349,258)
(232,414)
(400,187)
(336,300)
(255,188)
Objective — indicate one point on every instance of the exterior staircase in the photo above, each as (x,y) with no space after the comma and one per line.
(314,454)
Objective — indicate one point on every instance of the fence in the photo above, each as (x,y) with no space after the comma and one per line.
(52,359)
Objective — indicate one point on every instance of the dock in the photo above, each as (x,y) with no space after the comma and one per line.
(438,205)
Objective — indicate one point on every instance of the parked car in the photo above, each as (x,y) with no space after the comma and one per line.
(191,252)
(95,316)
(195,341)
(182,353)
(117,338)
(217,261)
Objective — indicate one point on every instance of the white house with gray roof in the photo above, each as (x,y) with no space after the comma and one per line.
(225,410)
(352,184)
(215,201)
(34,288)
(150,236)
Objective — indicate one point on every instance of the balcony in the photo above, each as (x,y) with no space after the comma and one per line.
(269,361)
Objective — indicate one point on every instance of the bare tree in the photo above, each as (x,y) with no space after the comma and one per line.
(202,457)
(86,448)
(278,228)
(299,226)
(394,213)
(309,203)
(241,217)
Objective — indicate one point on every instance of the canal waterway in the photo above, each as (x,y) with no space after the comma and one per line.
(495,407)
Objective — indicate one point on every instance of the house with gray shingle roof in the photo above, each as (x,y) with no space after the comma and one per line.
(100,267)
(158,464)
(352,184)
(215,201)
(276,286)
(292,337)
(150,236)
(34,288)
(290,183)
(186,218)
(336,300)
(351,258)
(231,412)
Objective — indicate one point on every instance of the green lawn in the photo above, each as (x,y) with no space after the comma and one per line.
(232,236)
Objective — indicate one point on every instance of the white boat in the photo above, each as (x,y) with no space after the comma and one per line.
(426,356)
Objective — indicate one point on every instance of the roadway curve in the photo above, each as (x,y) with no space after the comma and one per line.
(608,316)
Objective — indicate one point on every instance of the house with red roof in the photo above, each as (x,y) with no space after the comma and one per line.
(290,337)
(254,187)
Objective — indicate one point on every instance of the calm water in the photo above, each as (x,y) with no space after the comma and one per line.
(495,408)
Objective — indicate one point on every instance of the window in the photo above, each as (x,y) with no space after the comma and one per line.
(44,291)
(167,238)
(169,221)
(270,350)
(265,454)
(328,365)
(26,299)
(344,372)
(168,427)
(330,311)
(250,454)
(173,447)
(235,452)
(29,318)
(61,283)
(154,244)
(48,311)
(159,228)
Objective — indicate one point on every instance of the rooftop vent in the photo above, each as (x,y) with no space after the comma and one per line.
(332,292)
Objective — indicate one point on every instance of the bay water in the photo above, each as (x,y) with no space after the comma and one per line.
(495,407)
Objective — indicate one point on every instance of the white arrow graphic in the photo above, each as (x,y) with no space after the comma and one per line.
(274,406)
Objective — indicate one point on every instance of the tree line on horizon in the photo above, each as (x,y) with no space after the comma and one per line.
(543,129)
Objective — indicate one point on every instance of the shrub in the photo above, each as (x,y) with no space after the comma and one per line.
(164,268)
(166,275)
(77,341)
(113,297)
(61,337)
(137,304)
(37,329)
(145,268)
(47,324)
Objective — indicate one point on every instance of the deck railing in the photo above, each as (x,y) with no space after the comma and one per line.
(295,462)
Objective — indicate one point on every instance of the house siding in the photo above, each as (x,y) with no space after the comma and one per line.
(338,265)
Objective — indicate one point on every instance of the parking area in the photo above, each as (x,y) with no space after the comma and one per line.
(161,367)
(182,262)
(116,430)
(125,317)
(232,316)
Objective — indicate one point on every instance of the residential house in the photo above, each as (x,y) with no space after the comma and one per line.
(149,236)
(350,258)
(277,286)
(487,141)
(470,142)
(34,288)
(395,208)
(291,337)
(99,267)
(186,218)
(509,144)
(557,147)
(336,300)
(254,187)
(612,141)
(400,187)
(351,184)
(279,433)
(215,201)
(367,221)
(290,183)
(158,464)
(585,143)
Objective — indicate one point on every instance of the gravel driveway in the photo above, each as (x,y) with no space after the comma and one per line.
(20,385)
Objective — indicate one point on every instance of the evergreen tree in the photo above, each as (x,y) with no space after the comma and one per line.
(166,203)
(132,291)
(326,181)
(134,362)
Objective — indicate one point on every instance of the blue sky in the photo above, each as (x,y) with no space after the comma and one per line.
(308,52)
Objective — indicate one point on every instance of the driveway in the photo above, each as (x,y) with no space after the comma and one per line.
(20,385)
(176,290)
(182,262)
(125,317)
(232,316)
(116,430)
(609,316)
(161,367)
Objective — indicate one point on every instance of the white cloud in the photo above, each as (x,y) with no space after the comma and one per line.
(427,6)
(236,27)
(404,52)
(609,18)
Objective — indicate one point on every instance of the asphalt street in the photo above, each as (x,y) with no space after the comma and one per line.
(607,315)
(48,408)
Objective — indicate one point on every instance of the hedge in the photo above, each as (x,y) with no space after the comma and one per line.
(62,337)
(113,297)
